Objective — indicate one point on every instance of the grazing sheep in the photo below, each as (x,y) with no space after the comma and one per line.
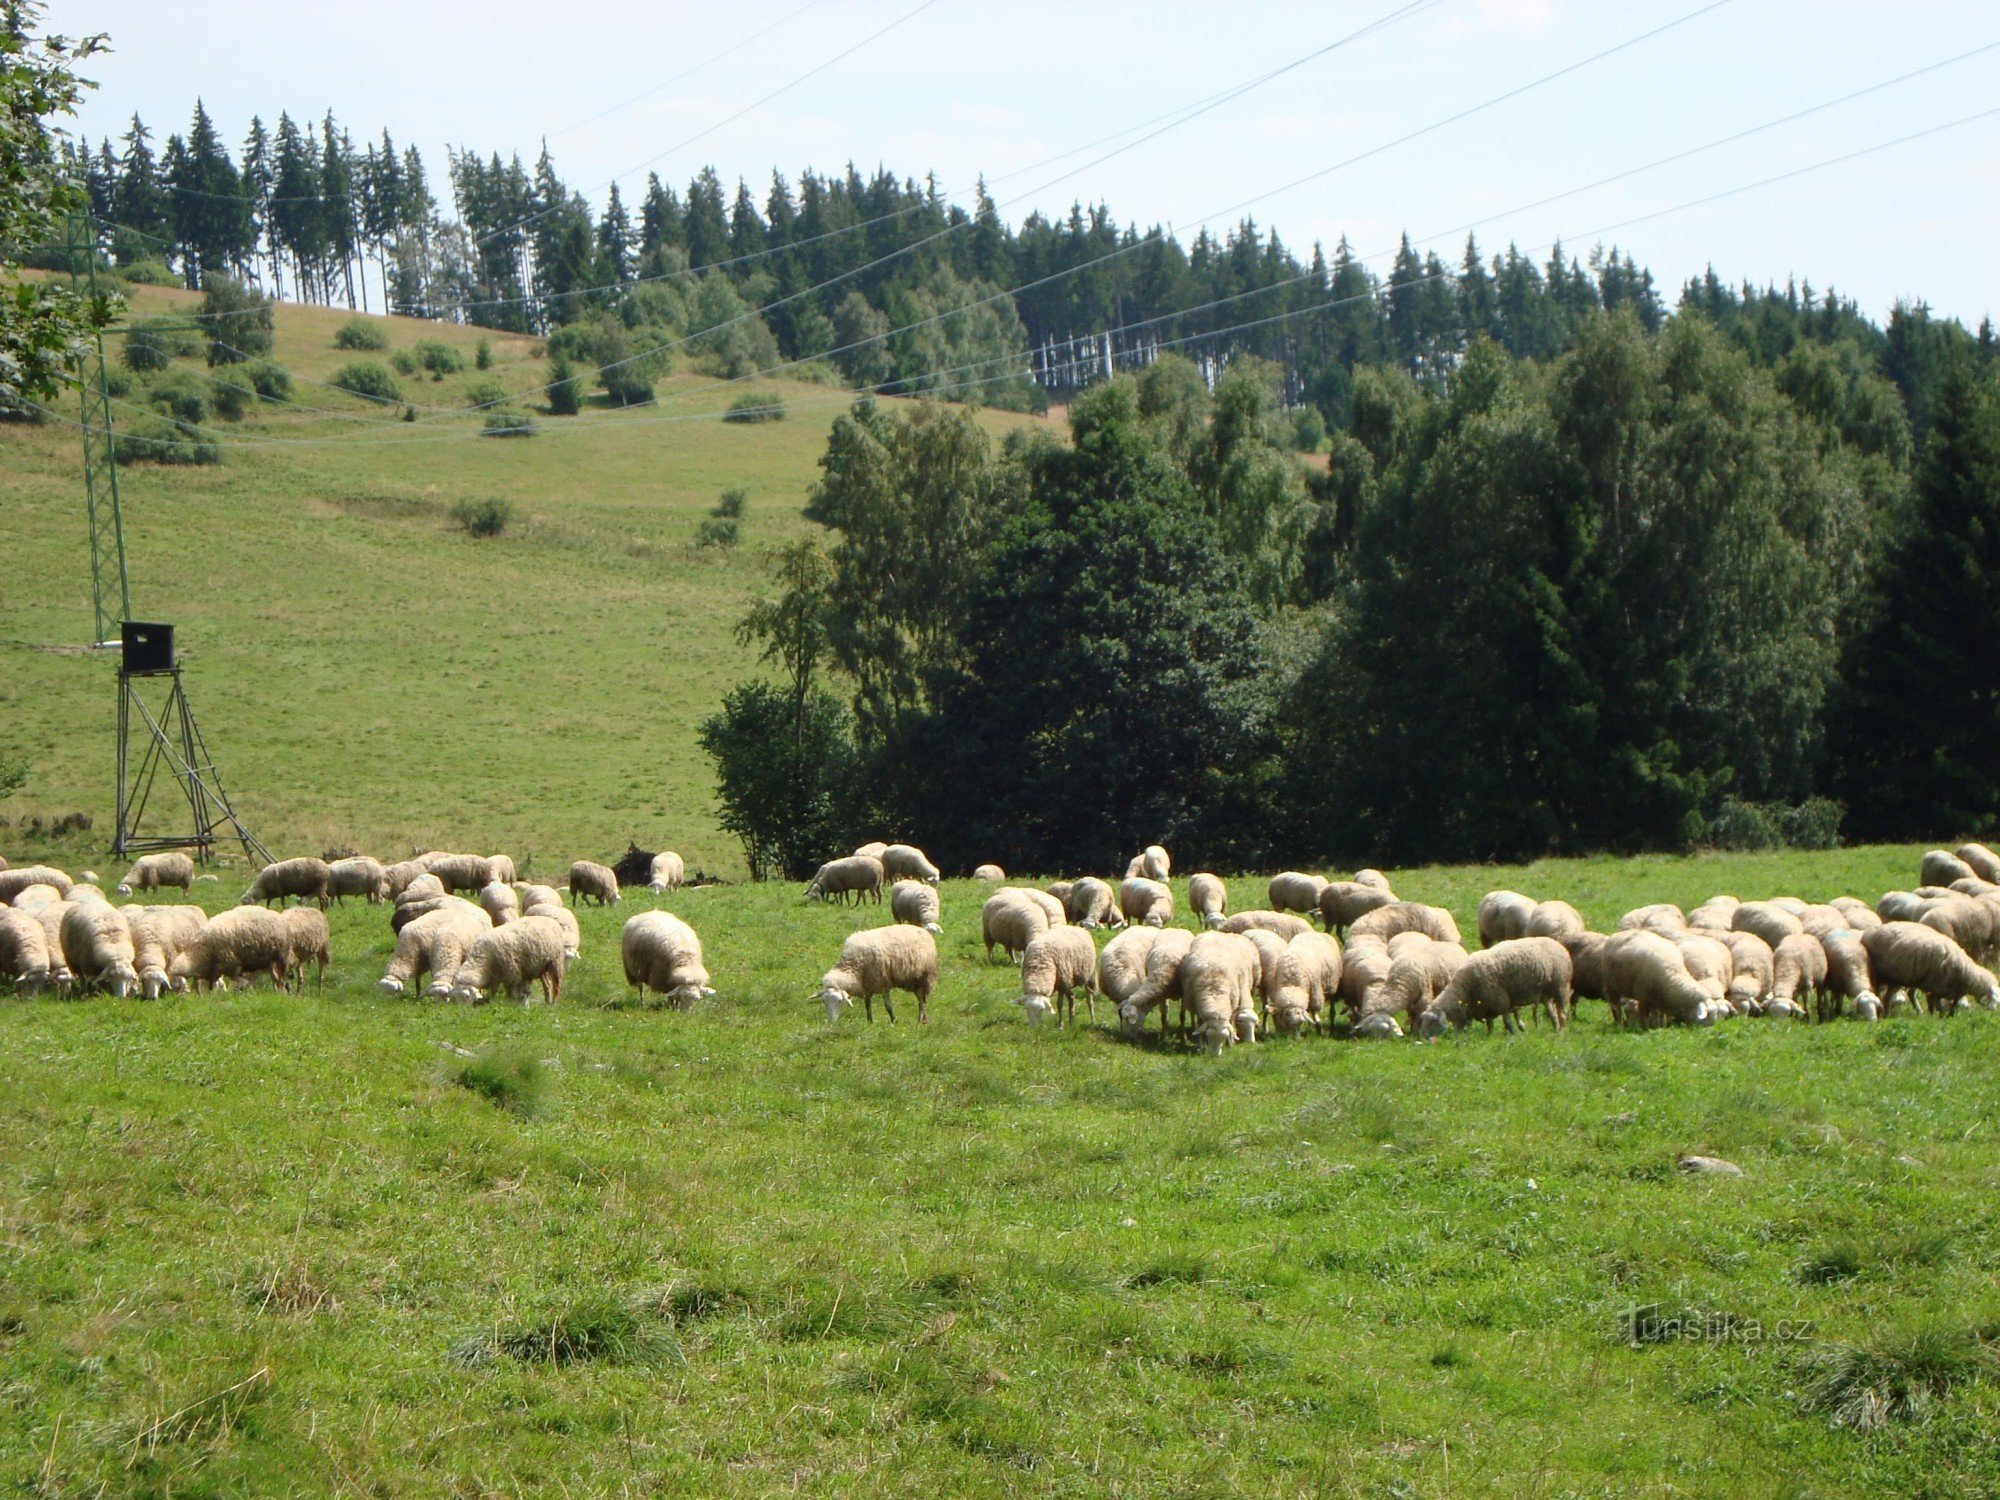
(152,872)
(500,902)
(1716,914)
(590,881)
(357,876)
(1556,919)
(17,880)
(24,950)
(1910,956)
(1710,961)
(662,953)
(1373,878)
(1860,915)
(84,891)
(51,918)
(873,851)
(1497,981)
(423,897)
(1818,919)
(1503,915)
(500,867)
(1270,953)
(307,941)
(1009,922)
(462,872)
(1306,983)
(1586,959)
(400,876)
(160,934)
(1054,967)
(1146,901)
(1345,902)
(914,902)
(1121,967)
(908,862)
(97,948)
(436,943)
(1218,983)
(1208,899)
(1152,863)
(537,895)
(1294,890)
(1848,976)
(992,874)
(1768,920)
(878,961)
(1413,916)
(1899,906)
(524,952)
(1164,958)
(1750,984)
(1421,972)
(1060,889)
(858,875)
(1051,907)
(1661,916)
(1942,868)
(542,901)
(302,879)
(1364,975)
(1285,924)
(1647,981)
(1975,887)
(669,872)
(35,897)
(1090,902)
(239,942)
(1981,860)
(1967,922)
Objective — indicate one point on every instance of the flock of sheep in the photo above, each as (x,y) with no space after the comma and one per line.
(467,930)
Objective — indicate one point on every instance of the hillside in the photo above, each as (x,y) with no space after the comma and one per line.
(366,672)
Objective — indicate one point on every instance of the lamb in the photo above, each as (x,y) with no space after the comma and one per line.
(436,942)
(1647,981)
(24,950)
(1345,902)
(1860,915)
(1295,890)
(1091,903)
(500,902)
(1146,901)
(304,879)
(1497,981)
(992,874)
(1307,981)
(1055,966)
(1848,976)
(907,862)
(17,880)
(1503,915)
(1218,979)
(1911,956)
(662,953)
(1942,868)
(1413,916)
(244,940)
(97,948)
(1121,967)
(1419,974)
(1750,984)
(1556,919)
(1169,950)
(1009,923)
(858,875)
(510,958)
(152,872)
(668,873)
(1768,920)
(1661,916)
(1981,860)
(307,942)
(1208,898)
(160,934)
(877,962)
(914,902)
(1283,923)
(1364,975)
(358,876)
(589,881)
(1717,913)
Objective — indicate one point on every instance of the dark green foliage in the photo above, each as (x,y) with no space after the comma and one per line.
(1813,824)
(361,333)
(565,390)
(438,357)
(154,440)
(485,393)
(504,1076)
(724,524)
(782,768)
(754,408)
(483,518)
(238,320)
(482,357)
(154,343)
(181,396)
(404,362)
(271,382)
(369,380)
(509,424)
(229,397)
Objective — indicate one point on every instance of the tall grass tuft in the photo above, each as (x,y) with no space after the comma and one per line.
(505,1076)
(1895,1378)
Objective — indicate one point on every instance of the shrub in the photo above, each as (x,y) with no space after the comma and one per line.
(181,395)
(716,532)
(439,358)
(732,504)
(565,390)
(1893,1378)
(483,517)
(404,362)
(504,1076)
(149,273)
(229,398)
(271,382)
(482,357)
(369,380)
(573,341)
(509,424)
(154,440)
(1308,429)
(361,333)
(485,393)
(239,321)
(117,382)
(753,408)
(154,343)
(1741,825)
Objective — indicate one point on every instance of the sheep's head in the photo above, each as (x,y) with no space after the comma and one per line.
(390,985)
(465,992)
(1288,1012)
(152,982)
(1867,1007)
(1131,1018)
(684,996)
(31,982)
(933,929)
(1784,1009)
(124,888)
(1037,1006)
(931,879)
(181,970)
(835,1000)
(1156,919)
(1431,1023)
(1214,1034)
(1245,1022)
(1213,921)
(121,980)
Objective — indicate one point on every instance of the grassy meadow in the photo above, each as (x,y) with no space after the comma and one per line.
(257,1244)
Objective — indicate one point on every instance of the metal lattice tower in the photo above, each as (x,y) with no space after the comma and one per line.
(110,595)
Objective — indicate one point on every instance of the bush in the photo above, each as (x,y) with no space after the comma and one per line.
(181,395)
(361,333)
(485,393)
(239,321)
(369,380)
(565,391)
(1812,824)
(482,357)
(732,504)
(754,408)
(509,424)
(154,440)
(483,518)
(716,532)
(573,341)
(154,343)
(149,273)
(271,382)
(117,382)
(404,361)
(439,358)
(230,398)
(1308,429)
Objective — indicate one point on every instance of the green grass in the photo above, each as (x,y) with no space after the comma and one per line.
(255,1243)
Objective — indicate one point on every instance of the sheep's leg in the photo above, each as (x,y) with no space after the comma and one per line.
(868,1008)
(923,1005)
(1090,1003)
(889,1003)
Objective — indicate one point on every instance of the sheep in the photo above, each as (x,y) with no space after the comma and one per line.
(243,940)
(1164,958)
(97,947)
(1911,956)
(1060,889)
(1010,923)
(1121,967)
(425,895)
(908,862)
(500,902)
(1283,923)
(1848,976)
(914,902)
(1769,921)
(1710,961)
(462,872)
(1818,919)
(1307,980)
(668,873)
(542,901)
(1146,901)
(437,943)
(590,881)
(1151,863)
(1967,922)
(152,872)
(878,961)
(1497,981)
(1208,899)
(1374,878)
(1647,981)
(1090,903)
(1716,914)
(1941,868)
(24,950)
(1503,915)
(1218,978)
(1054,967)
(1270,953)
(51,919)
(1344,902)
(524,952)
(1750,983)
(1556,919)
(17,880)
(159,935)
(1981,860)
(537,895)
(1586,959)
(858,875)
(1364,975)
(1413,916)
(500,867)
(35,897)
(873,851)
(1051,907)
(992,875)
(399,876)
(1860,915)
(1661,916)
(1294,890)
(304,879)
(308,942)
(1975,887)
(662,953)
(84,891)
(1420,973)
(1899,906)
(357,876)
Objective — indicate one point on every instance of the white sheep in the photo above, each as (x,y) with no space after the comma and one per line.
(1848,976)
(24,950)
(436,943)
(242,941)
(1981,860)
(1768,920)
(1860,915)
(878,961)
(1270,954)
(500,867)
(916,903)
(1143,900)
(308,942)
(1169,950)
(399,876)
(858,875)
(1306,983)
(1753,971)
(1647,981)
(1940,867)
(1661,916)
(1054,967)
(1010,923)
(18,879)
(152,872)
(1285,924)
(1373,878)
(1413,916)
(1503,915)
(1151,863)
(35,897)
(1716,914)
(589,881)
(159,935)
(500,902)
(908,862)
(1364,975)
(97,948)
(1208,899)
(1090,903)
(992,874)
(51,918)
(542,901)
(1121,967)
(1295,890)
(1050,906)
(511,958)
(1898,906)
(662,953)
(668,872)
(1419,974)
(1910,956)
(84,891)
(1513,974)
(873,851)
(303,879)
(1711,962)
(1556,919)
(1060,889)
(1345,902)
(1218,980)
(357,875)
(461,872)
(1586,958)
(1968,922)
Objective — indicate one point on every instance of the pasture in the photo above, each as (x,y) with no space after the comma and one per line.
(257,1243)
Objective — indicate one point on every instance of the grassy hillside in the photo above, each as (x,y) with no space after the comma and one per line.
(256,1244)
(365,671)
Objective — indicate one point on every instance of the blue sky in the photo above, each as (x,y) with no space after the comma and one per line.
(960,88)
